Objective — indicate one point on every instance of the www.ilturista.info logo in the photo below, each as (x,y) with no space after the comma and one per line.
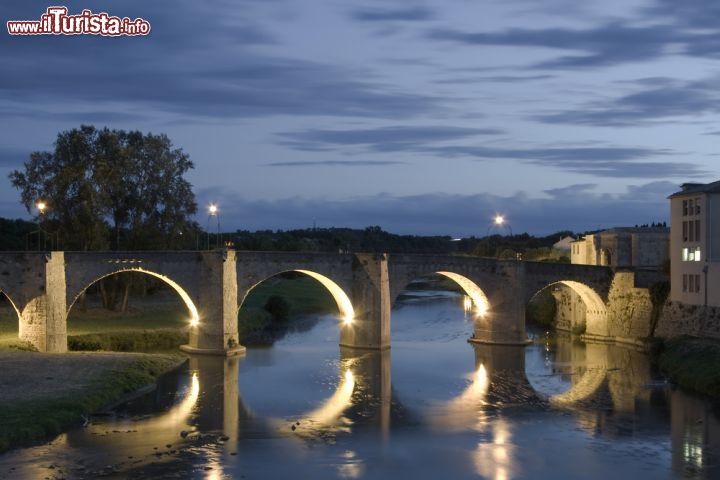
(57,22)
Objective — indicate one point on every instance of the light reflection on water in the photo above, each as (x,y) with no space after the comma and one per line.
(434,406)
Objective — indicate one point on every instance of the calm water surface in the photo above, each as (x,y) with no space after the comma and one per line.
(434,406)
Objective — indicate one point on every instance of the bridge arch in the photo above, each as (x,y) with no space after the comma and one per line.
(345,307)
(194,316)
(12,304)
(595,307)
(476,295)
(471,289)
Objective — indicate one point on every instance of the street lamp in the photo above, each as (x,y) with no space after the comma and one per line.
(41,207)
(499,221)
(213,212)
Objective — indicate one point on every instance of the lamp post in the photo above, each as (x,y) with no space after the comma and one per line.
(499,221)
(213,212)
(41,207)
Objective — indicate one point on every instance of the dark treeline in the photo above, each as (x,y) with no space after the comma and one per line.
(18,235)
(374,239)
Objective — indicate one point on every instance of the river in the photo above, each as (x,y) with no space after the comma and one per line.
(434,406)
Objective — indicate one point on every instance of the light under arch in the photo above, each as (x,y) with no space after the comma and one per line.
(347,312)
(478,297)
(194,315)
(596,311)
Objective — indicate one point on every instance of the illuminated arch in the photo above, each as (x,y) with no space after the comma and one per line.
(17,312)
(478,297)
(596,311)
(347,313)
(194,315)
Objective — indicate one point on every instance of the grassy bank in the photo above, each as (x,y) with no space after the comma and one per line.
(41,406)
(692,363)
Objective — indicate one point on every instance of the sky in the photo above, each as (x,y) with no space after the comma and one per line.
(424,117)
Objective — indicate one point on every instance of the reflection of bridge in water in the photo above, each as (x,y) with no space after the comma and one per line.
(43,287)
(212,401)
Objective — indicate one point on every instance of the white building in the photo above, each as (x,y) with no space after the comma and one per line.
(695,244)
(623,247)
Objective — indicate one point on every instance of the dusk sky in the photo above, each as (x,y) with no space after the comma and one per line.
(422,117)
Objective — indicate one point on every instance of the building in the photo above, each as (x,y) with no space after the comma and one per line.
(641,248)
(695,244)
(563,245)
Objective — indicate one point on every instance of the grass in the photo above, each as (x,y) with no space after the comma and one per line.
(27,421)
(692,363)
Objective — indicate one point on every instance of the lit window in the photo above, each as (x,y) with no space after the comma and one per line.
(696,254)
(685,254)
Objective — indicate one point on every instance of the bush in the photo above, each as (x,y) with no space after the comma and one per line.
(277,307)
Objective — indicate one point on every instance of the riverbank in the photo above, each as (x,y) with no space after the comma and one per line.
(44,394)
(691,362)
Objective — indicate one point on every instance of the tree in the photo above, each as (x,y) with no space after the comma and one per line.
(111,188)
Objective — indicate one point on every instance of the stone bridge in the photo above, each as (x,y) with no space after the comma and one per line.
(43,287)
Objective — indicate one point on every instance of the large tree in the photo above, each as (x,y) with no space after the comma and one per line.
(111,188)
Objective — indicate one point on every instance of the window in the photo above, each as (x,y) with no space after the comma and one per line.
(685,282)
(691,207)
(697,283)
(697,206)
(685,208)
(697,230)
(691,283)
(685,231)
(691,254)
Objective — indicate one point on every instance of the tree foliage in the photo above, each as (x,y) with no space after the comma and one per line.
(111,188)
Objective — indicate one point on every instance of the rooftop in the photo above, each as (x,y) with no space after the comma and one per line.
(690,188)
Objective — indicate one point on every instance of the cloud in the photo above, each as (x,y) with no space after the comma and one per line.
(410,14)
(382,139)
(495,78)
(13,157)
(571,191)
(660,100)
(689,13)
(609,44)
(179,70)
(599,161)
(609,162)
(336,163)
(578,209)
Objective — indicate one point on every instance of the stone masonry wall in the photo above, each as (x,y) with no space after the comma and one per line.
(629,308)
(683,319)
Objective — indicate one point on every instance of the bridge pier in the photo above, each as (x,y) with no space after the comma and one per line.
(370,296)
(504,322)
(43,318)
(215,332)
